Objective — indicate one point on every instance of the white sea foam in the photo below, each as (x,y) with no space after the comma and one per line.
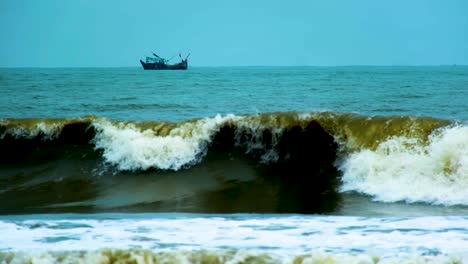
(406,169)
(130,148)
(47,130)
(235,239)
(256,141)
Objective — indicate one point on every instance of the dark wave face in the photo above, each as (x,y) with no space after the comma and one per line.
(278,162)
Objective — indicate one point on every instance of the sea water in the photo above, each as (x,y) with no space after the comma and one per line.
(234,165)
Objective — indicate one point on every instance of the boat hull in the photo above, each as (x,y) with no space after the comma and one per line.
(159,66)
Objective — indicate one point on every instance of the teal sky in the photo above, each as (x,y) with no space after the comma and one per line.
(95,33)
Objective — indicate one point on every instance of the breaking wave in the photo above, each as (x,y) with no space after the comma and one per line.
(411,159)
(406,169)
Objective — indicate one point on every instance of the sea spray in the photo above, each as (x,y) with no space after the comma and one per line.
(407,169)
(131,148)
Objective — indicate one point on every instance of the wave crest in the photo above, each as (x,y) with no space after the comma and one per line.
(405,169)
(412,159)
(132,148)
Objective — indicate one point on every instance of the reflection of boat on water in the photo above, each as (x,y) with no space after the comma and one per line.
(158,63)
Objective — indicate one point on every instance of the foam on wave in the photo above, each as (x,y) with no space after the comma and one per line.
(411,159)
(32,128)
(406,169)
(132,148)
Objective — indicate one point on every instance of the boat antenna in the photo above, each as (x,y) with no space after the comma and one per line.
(188,56)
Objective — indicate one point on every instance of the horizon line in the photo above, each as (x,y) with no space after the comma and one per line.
(245,66)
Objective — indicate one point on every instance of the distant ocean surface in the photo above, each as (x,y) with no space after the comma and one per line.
(234,165)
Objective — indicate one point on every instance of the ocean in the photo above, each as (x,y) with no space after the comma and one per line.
(359,164)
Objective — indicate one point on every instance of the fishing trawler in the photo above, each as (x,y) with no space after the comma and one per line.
(159,63)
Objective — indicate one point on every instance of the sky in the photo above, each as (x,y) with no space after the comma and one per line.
(117,33)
